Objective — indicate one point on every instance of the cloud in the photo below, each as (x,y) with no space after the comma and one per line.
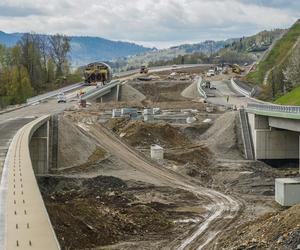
(16,11)
(148,21)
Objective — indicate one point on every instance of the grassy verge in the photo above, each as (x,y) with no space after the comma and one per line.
(291,98)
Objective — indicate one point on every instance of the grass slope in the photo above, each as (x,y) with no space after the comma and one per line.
(276,55)
(291,98)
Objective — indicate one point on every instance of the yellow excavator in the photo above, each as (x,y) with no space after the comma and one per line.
(237,69)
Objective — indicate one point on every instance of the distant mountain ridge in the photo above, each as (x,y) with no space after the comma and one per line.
(86,49)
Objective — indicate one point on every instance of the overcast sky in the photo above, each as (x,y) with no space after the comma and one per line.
(159,23)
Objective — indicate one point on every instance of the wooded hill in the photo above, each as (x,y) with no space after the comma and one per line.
(279,72)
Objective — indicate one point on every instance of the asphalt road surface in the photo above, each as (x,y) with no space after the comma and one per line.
(224,92)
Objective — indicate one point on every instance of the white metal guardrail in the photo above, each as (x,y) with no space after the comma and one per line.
(274,108)
(25,223)
(199,87)
(54,93)
(239,89)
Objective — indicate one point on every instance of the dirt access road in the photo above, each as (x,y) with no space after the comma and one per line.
(221,213)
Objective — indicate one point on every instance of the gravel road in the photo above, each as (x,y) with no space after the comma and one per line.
(223,210)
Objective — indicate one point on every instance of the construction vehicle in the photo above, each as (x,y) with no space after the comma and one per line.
(144,69)
(97,72)
(80,93)
(237,69)
(210,73)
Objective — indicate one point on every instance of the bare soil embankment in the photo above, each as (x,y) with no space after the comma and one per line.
(93,212)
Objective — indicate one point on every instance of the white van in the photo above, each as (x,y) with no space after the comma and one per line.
(210,73)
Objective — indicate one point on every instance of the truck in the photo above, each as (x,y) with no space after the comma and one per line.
(210,73)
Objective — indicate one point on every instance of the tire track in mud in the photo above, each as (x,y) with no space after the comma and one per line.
(222,209)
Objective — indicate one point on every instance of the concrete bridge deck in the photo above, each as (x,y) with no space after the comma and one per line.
(25,221)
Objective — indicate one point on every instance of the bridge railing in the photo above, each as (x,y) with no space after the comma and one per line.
(54,93)
(239,89)
(274,108)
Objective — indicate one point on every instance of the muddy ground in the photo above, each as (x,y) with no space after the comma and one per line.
(93,212)
(218,163)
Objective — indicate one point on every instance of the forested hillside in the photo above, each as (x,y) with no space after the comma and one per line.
(234,50)
(34,65)
(279,73)
(192,53)
(87,49)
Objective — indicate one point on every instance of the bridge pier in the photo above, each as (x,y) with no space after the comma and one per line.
(271,143)
(39,149)
(112,95)
(43,147)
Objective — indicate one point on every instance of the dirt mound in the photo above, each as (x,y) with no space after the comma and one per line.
(195,131)
(191,91)
(162,91)
(128,93)
(199,156)
(74,147)
(139,133)
(116,124)
(222,137)
(192,162)
(272,231)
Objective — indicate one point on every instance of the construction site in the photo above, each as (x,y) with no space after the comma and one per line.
(153,169)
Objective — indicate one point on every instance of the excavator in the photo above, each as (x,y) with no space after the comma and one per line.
(237,69)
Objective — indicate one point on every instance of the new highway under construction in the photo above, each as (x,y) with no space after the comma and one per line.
(105,190)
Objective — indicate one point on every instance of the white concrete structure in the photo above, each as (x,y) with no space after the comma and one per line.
(271,141)
(148,111)
(148,115)
(190,120)
(116,113)
(157,152)
(287,191)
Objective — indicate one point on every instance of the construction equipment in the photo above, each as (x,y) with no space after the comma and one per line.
(237,69)
(97,72)
(144,69)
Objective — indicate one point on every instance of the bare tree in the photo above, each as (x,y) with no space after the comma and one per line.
(59,46)
(31,58)
(44,50)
